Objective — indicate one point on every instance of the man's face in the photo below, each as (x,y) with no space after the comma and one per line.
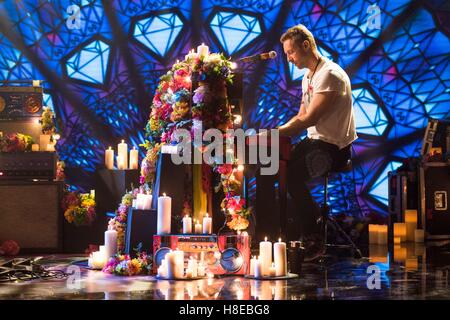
(294,54)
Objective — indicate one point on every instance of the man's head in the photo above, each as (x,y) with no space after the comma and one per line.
(299,45)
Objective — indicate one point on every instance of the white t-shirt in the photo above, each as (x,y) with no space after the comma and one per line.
(337,126)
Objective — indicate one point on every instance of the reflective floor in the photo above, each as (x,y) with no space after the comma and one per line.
(404,272)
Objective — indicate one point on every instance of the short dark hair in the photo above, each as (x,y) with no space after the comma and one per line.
(298,34)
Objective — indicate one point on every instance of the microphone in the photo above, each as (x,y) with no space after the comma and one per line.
(259,57)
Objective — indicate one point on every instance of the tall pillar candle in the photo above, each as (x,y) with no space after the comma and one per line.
(265,256)
(382,234)
(258,269)
(207,225)
(44,140)
(373,233)
(187,225)
(109,158)
(400,231)
(134,158)
(110,243)
(164,214)
(251,271)
(122,151)
(280,258)
(411,223)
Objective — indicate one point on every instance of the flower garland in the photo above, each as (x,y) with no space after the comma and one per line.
(170,110)
(79,208)
(119,222)
(123,265)
(15,142)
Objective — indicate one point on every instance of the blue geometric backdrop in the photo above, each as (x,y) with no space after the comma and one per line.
(101,61)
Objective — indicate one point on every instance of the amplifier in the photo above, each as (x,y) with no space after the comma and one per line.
(28,165)
(20,102)
(224,255)
(434,196)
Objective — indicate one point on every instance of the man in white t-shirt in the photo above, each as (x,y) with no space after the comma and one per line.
(326,112)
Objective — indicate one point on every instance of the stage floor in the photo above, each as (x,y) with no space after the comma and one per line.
(409,272)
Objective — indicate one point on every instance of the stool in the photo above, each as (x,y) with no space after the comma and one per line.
(326,219)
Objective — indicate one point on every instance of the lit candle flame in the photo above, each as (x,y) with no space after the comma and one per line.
(123,141)
(164,194)
(279,239)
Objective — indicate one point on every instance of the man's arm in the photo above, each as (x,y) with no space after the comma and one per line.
(304,120)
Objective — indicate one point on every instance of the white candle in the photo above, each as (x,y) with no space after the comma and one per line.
(201,270)
(179,256)
(411,223)
(251,271)
(164,214)
(144,201)
(202,50)
(207,225)
(192,264)
(382,234)
(134,158)
(265,256)
(110,243)
(102,250)
(198,228)
(258,269)
(122,150)
(34,147)
(419,235)
(272,270)
(44,140)
(171,265)
(280,258)
(51,147)
(120,163)
(109,158)
(98,260)
(187,225)
(400,231)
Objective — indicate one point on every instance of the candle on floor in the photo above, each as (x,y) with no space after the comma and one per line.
(272,270)
(98,260)
(110,243)
(187,225)
(201,270)
(207,225)
(109,158)
(251,271)
(400,231)
(373,233)
(419,235)
(198,227)
(164,214)
(411,223)
(34,147)
(134,158)
(258,270)
(265,256)
(382,234)
(280,258)
(122,151)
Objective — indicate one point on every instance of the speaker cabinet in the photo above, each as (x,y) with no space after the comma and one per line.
(30,214)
